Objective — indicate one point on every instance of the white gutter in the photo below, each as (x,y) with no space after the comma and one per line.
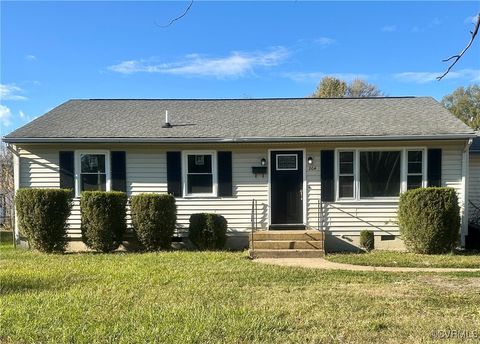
(235,139)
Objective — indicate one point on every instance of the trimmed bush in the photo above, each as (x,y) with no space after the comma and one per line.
(367,240)
(103,219)
(153,219)
(208,231)
(429,219)
(42,217)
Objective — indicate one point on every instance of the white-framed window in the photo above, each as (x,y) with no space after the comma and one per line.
(346,174)
(200,174)
(92,171)
(378,173)
(287,162)
(415,169)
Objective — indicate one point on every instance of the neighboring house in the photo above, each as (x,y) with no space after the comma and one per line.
(337,165)
(474,175)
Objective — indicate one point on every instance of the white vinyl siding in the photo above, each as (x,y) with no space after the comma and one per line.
(39,169)
(236,209)
(146,172)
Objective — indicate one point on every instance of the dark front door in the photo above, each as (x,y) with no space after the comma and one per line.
(286,177)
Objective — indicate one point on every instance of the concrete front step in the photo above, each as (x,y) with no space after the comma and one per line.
(291,235)
(306,253)
(287,244)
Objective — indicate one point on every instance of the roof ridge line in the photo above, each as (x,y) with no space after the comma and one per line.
(247,99)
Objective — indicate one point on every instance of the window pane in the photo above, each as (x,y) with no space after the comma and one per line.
(345,187)
(379,174)
(346,162)
(287,162)
(415,162)
(93,163)
(201,163)
(414,182)
(415,156)
(200,183)
(93,182)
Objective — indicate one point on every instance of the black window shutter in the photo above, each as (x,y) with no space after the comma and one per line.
(119,171)
(174,173)
(434,167)
(67,174)
(327,175)
(224,162)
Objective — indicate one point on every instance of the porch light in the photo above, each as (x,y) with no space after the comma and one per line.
(310,160)
(263,162)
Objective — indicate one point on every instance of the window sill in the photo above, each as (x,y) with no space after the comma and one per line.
(199,196)
(368,201)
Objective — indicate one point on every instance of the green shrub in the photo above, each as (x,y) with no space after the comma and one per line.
(429,219)
(103,219)
(42,217)
(367,240)
(153,220)
(208,231)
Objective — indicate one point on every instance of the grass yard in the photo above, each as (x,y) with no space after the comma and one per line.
(406,259)
(196,297)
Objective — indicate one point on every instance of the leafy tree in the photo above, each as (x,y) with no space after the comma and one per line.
(359,88)
(464,103)
(330,87)
(6,187)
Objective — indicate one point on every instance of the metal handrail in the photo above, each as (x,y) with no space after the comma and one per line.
(254,217)
(475,218)
(474,205)
(320,223)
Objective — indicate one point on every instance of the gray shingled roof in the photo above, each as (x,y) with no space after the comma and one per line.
(243,120)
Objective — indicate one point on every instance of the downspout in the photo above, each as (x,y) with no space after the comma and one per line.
(465,191)
(16,184)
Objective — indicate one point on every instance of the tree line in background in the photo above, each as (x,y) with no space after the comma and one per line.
(330,87)
(463,103)
(6,188)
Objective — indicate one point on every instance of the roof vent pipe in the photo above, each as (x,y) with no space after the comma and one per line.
(167,122)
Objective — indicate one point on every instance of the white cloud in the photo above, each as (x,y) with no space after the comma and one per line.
(435,21)
(236,64)
(30,57)
(325,41)
(470,75)
(389,28)
(10,92)
(428,26)
(317,76)
(416,29)
(5,115)
(470,20)
(21,114)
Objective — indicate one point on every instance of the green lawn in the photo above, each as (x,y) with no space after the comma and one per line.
(221,297)
(405,259)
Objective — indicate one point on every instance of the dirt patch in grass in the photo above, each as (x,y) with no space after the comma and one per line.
(449,283)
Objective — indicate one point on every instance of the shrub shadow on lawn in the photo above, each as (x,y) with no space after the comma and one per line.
(15,286)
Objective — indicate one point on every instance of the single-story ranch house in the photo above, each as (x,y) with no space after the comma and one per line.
(336,165)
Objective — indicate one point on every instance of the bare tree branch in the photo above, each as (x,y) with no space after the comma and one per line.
(177,18)
(457,57)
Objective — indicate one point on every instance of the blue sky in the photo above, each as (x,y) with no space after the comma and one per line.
(54,51)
